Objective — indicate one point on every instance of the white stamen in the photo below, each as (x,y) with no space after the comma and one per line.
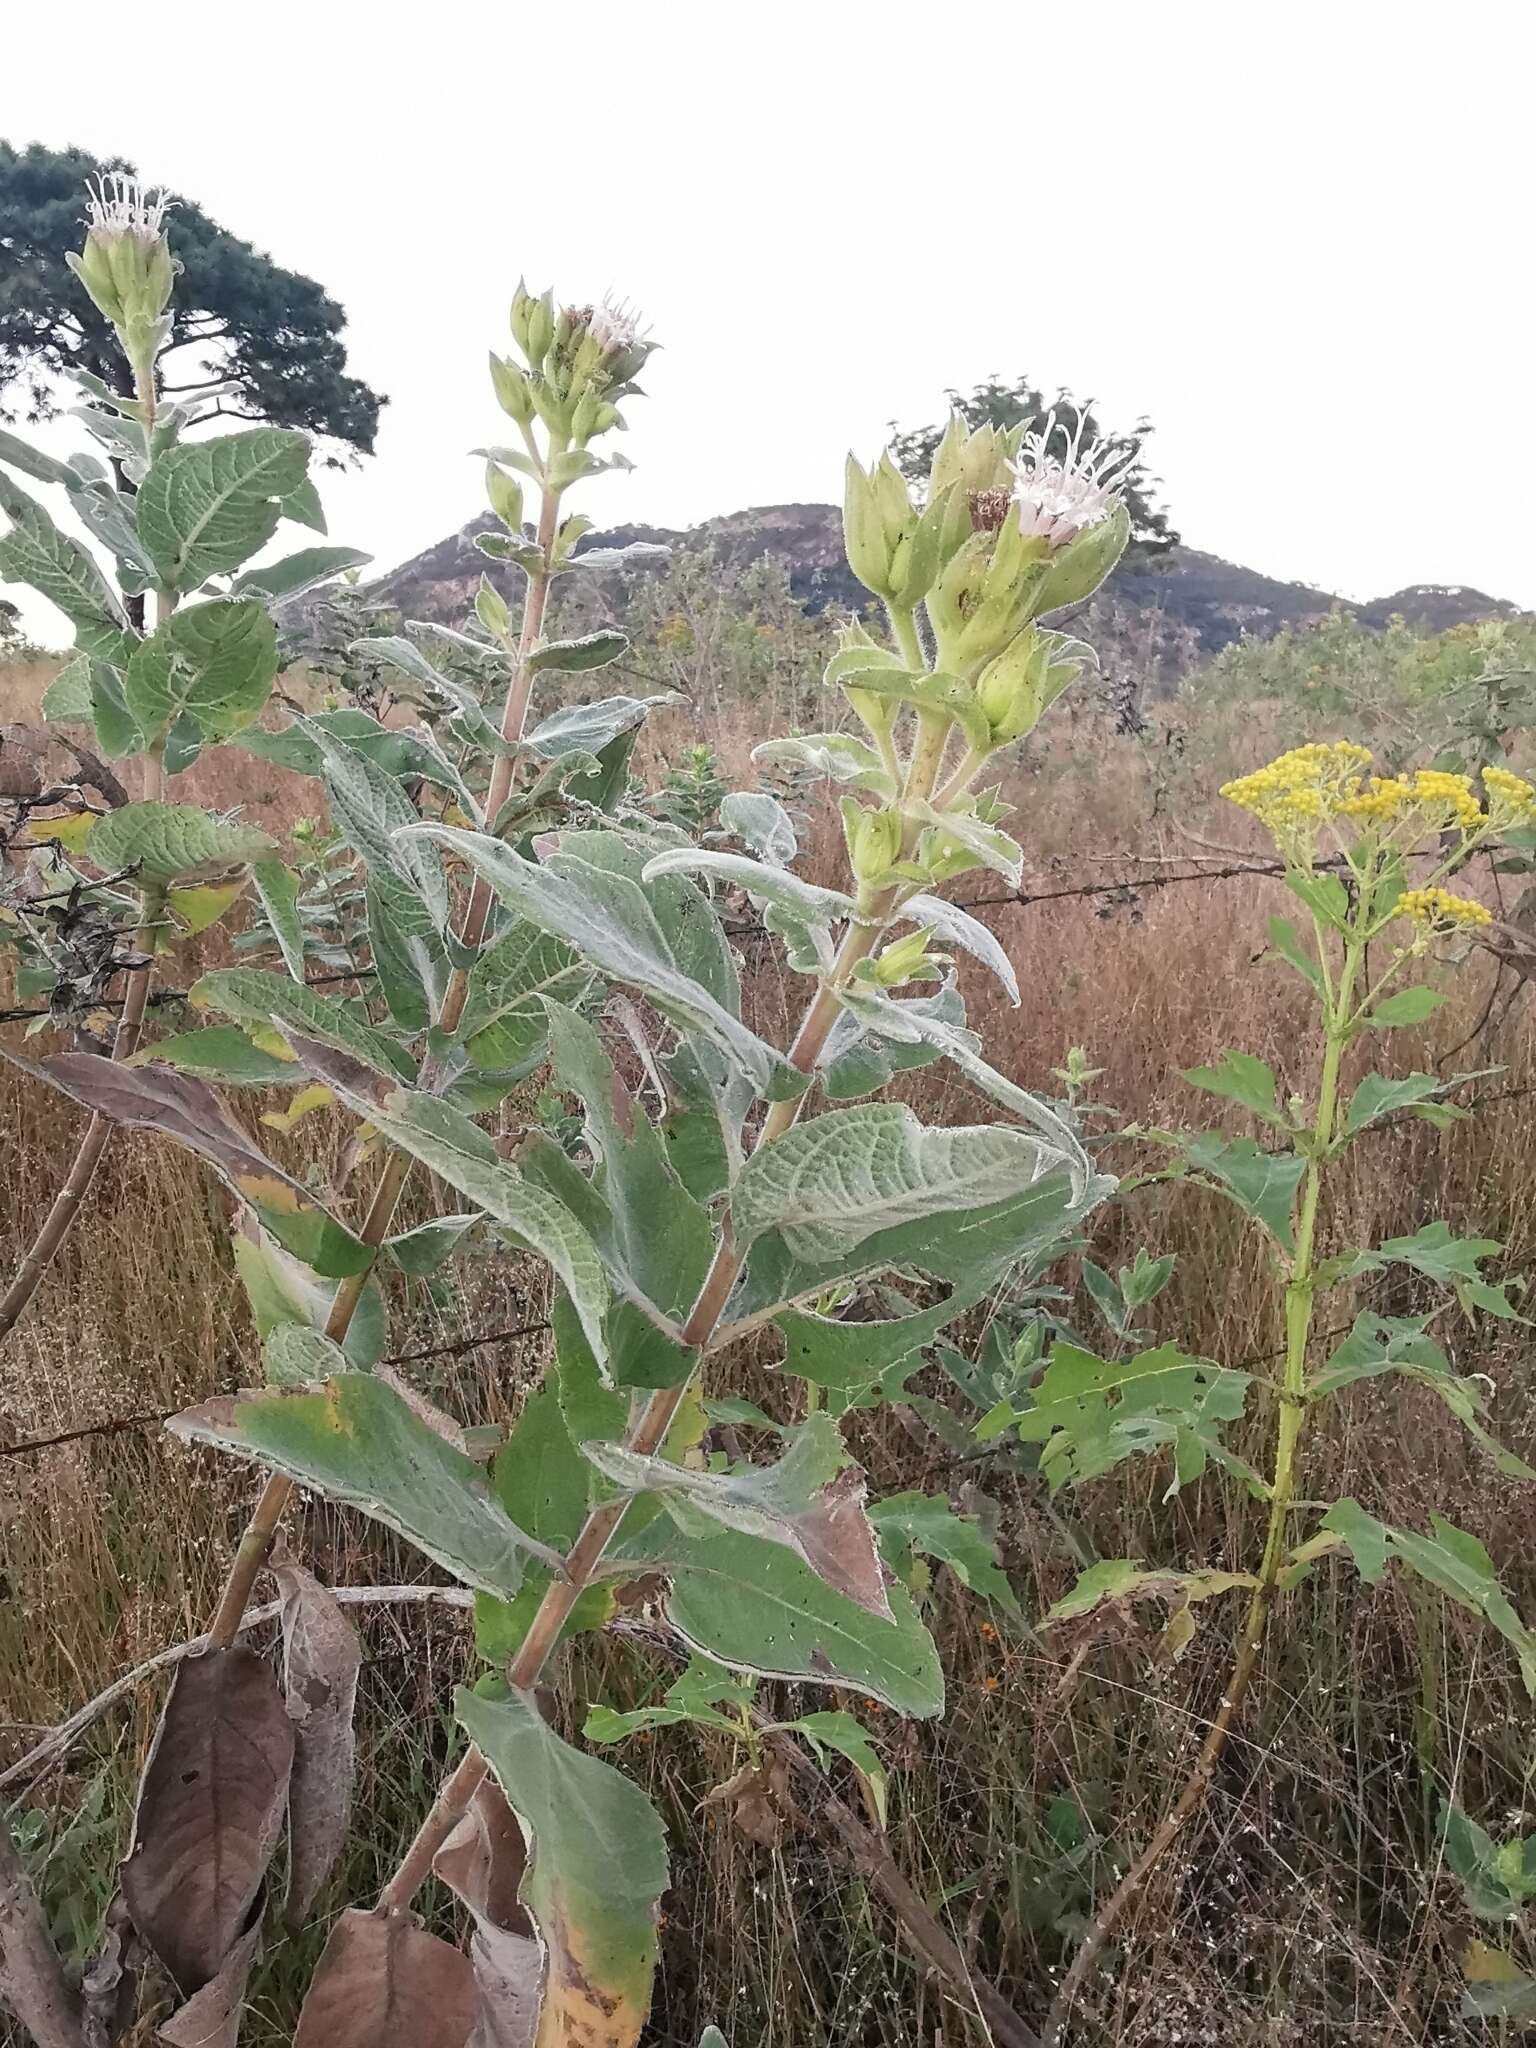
(615,325)
(1060,496)
(121,205)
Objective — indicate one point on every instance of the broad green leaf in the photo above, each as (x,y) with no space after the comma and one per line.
(1324,895)
(987,846)
(67,699)
(1379,1344)
(812,1500)
(1089,1413)
(760,822)
(755,1607)
(831,1183)
(46,469)
(172,842)
(1407,1006)
(1262,1183)
(764,884)
(252,996)
(591,650)
(832,1728)
(205,507)
(396,750)
(460,1153)
(1377,1096)
(1121,1580)
(213,663)
(945,694)
(300,571)
(1242,1078)
(222,1052)
(116,731)
(854,1362)
(589,728)
(285,1293)
(1286,941)
(356,1441)
(1447,1557)
(505,1025)
(1438,1255)
(296,1356)
(834,756)
(610,922)
(910,1522)
(540,1475)
(598,1869)
(35,552)
(655,1239)
(695,1695)
(421,1251)
(157,1098)
(410,960)
(278,887)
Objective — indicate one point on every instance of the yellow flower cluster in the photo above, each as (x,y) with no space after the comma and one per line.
(1302,789)
(1511,799)
(1438,910)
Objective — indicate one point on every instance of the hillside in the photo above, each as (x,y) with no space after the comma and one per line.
(1215,601)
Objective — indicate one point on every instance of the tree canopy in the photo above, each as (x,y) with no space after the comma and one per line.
(267,337)
(998,404)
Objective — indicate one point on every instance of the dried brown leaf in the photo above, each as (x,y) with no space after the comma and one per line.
(483,1860)
(210,1812)
(321,1658)
(384,1982)
(211,2017)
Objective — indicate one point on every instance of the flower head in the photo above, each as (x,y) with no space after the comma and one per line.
(1438,911)
(615,325)
(119,204)
(1511,799)
(1062,494)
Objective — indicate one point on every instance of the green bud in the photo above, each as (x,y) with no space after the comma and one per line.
(907,959)
(969,465)
(873,839)
(506,496)
(492,609)
(878,518)
(514,393)
(127,266)
(1008,688)
(986,594)
(1077,570)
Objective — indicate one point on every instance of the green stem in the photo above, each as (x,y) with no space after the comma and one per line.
(908,641)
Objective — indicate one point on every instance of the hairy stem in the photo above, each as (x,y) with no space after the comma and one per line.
(1299,1295)
(260,1531)
(645,1438)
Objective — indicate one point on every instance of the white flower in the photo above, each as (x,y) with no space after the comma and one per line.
(615,326)
(121,205)
(1061,495)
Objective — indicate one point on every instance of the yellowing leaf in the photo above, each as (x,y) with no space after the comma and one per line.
(315,1096)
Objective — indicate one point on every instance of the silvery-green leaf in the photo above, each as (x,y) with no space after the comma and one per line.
(35,552)
(834,756)
(206,507)
(989,847)
(956,927)
(67,699)
(828,1184)
(172,842)
(300,571)
(764,884)
(588,728)
(761,822)
(591,650)
(372,810)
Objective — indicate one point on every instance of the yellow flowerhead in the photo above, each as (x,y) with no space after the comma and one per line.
(1438,911)
(1301,791)
(1511,799)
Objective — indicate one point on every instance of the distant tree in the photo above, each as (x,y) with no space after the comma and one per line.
(270,339)
(996,404)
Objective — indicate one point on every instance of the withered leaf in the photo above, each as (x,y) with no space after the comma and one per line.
(211,2017)
(484,1860)
(384,1982)
(758,1797)
(210,1811)
(321,1658)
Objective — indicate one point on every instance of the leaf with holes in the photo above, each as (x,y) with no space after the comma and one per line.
(357,1442)
(1089,1414)
(210,1811)
(598,1869)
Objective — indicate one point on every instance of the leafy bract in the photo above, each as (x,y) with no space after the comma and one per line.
(598,1868)
(1447,1557)
(356,1441)
(812,1500)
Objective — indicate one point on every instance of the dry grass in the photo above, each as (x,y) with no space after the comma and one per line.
(1307,1908)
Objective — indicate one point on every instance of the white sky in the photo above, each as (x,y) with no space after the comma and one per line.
(1296,235)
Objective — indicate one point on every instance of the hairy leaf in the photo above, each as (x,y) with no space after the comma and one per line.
(761,822)
(357,1442)
(35,552)
(213,663)
(599,1867)
(505,1024)
(172,842)
(292,574)
(812,1500)
(210,1811)
(278,887)
(205,507)
(588,728)
(252,996)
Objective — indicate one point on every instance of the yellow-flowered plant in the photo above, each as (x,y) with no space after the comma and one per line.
(1366,855)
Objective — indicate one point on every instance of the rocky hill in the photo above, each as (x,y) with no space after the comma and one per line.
(1214,601)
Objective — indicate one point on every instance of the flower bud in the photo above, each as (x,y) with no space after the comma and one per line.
(906,959)
(1018,686)
(533,325)
(985,595)
(970,465)
(506,496)
(878,517)
(126,265)
(514,393)
(873,840)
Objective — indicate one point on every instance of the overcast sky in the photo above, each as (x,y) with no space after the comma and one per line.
(1297,236)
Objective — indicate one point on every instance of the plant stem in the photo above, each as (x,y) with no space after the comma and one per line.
(256,1540)
(1299,1295)
(646,1438)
